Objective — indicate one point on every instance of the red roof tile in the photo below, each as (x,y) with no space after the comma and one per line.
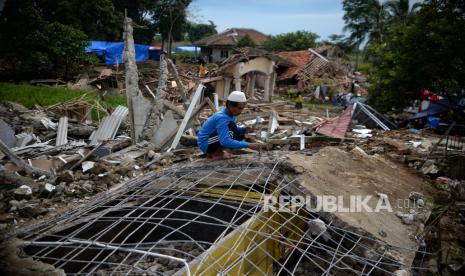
(231,36)
(299,58)
(338,126)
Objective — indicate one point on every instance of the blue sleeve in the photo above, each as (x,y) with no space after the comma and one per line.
(225,138)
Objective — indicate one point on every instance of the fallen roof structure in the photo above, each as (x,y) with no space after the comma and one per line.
(208,219)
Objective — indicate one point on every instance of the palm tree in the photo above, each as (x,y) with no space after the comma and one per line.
(399,10)
(365,20)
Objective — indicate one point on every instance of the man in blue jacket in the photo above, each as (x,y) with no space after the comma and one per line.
(220,131)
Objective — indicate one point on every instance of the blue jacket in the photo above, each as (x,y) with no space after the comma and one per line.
(219,122)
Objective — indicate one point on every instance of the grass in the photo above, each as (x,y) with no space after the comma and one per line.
(30,96)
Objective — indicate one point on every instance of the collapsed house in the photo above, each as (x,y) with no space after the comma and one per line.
(146,202)
(246,69)
(218,47)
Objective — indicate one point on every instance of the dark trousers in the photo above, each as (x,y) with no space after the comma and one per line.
(214,140)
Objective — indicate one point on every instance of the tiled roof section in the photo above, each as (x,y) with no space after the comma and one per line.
(231,36)
(299,58)
(338,126)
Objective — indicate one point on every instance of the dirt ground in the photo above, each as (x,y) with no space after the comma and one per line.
(333,171)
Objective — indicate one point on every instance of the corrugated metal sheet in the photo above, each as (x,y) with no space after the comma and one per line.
(62,133)
(109,126)
(338,126)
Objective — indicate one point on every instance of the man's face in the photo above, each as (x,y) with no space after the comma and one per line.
(236,110)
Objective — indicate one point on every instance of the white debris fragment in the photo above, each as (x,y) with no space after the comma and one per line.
(420,202)
(406,218)
(414,144)
(49,187)
(402,272)
(415,196)
(87,165)
(48,123)
(316,226)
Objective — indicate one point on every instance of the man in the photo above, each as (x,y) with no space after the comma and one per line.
(220,131)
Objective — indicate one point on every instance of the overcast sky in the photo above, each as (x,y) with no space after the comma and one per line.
(323,17)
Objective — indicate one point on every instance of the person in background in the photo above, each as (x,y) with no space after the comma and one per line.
(298,100)
(220,131)
(202,70)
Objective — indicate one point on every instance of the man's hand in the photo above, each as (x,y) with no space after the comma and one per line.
(256,146)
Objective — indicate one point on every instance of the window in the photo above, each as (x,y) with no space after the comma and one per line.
(224,53)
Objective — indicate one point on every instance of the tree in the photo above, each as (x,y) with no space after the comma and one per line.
(142,12)
(424,52)
(340,41)
(66,47)
(172,19)
(399,10)
(294,41)
(33,47)
(365,19)
(246,41)
(196,31)
(98,19)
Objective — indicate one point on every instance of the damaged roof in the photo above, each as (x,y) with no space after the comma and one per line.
(230,37)
(248,53)
(299,58)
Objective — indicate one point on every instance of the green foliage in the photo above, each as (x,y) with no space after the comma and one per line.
(300,40)
(246,41)
(186,57)
(66,47)
(424,52)
(196,32)
(29,96)
(46,38)
(340,41)
(171,18)
(98,19)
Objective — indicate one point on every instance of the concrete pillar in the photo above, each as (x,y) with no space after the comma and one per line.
(251,84)
(237,84)
(266,96)
(272,83)
(227,87)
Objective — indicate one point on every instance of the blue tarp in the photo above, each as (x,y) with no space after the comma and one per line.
(185,48)
(114,50)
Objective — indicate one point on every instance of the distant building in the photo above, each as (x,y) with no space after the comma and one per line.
(218,47)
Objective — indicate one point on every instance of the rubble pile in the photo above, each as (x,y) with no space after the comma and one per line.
(65,175)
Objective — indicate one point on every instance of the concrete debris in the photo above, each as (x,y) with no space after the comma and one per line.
(23,192)
(429,167)
(62,133)
(317,228)
(47,123)
(402,272)
(87,165)
(7,134)
(416,196)
(407,219)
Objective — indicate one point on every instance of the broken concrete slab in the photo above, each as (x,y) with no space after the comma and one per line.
(7,134)
(166,129)
(62,132)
